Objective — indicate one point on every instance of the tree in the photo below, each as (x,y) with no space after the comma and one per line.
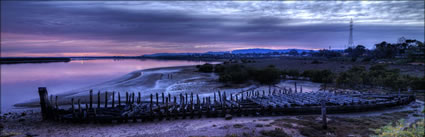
(206,68)
(359,51)
(269,76)
(293,52)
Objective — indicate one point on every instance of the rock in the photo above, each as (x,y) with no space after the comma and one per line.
(21,120)
(23,114)
(30,135)
(228,117)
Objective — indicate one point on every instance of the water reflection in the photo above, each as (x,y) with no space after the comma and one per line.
(19,82)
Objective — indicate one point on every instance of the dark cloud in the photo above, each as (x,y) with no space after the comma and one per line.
(187,24)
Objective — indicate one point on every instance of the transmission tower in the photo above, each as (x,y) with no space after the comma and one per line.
(350,39)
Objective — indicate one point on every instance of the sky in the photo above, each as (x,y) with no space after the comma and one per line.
(98,28)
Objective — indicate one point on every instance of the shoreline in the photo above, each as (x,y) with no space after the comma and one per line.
(185,79)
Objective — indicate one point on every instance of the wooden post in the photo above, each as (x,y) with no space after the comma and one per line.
(219,97)
(151,105)
(166,109)
(198,106)
(98,99)
(191,105)
(44,102)
(163,100)
(157,101)
(197,99)
(231,97)
(183,106)
(106,99)
(169,98)
(140,98)
(295,87)
(119,99)
(56,103)
(131,100)
(113,99)
(79,107)
(87,108)
(215,98)
(323,102)
(126,98)
(91,98)
(208,106)
(51,99)
(186,100)
(72,107)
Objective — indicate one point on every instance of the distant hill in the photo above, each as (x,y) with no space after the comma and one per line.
(239,51)
(265,51)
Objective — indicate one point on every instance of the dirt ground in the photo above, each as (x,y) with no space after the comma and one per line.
(29,123)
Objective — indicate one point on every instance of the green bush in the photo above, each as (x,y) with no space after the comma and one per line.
(398,130)
(321,76)
(269,75)
(234,73)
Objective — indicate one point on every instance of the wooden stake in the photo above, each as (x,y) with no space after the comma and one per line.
(163,99)
(113,99)
(72,107)
(157,101)
(79,106)
(91,98)
(323,107)
(44,102)
(56,103)
(119,99)
(126,98)
(106,99)
(140,98)
(98,99)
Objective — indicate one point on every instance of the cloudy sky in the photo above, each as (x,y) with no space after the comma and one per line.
(141,27)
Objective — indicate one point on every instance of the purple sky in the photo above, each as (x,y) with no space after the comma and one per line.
(79,28)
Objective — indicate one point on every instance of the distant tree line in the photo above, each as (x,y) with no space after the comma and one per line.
(413,50)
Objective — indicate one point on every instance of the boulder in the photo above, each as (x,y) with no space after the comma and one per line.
(228,117)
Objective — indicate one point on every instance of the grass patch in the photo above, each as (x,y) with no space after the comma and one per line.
(277,132)
(340,126)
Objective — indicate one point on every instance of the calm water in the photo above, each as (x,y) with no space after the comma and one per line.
(19,82)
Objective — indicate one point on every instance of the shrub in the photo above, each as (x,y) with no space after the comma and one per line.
(206,68)
(321,76)
(416,130)
(234,73)
(269,75)
(218,68)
